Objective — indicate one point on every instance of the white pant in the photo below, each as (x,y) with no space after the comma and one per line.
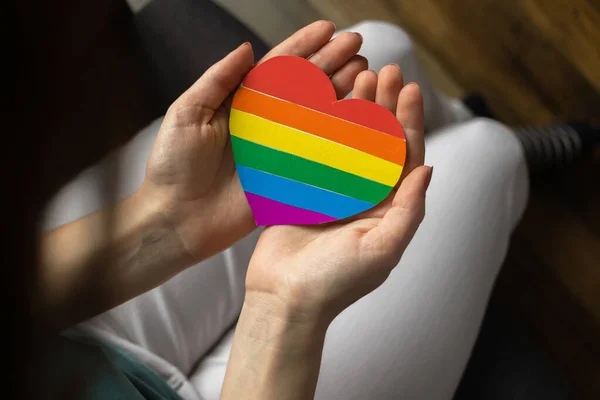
(409,339)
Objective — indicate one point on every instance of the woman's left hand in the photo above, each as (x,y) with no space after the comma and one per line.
(301,277)
(315,272)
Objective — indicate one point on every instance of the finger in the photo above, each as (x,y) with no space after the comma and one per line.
(410,114)
(213,87)
(335,54)
(398,226)
(343,79)
(304,42)
(365,86)
(389,85)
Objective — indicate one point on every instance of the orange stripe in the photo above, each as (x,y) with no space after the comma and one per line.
(361,138)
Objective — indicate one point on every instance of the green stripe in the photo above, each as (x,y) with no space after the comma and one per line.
(299,169)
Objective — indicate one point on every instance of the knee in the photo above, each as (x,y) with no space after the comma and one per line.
(478,152)
(383,29)
(491,143)
(484,160)
(380,33)
(488,151)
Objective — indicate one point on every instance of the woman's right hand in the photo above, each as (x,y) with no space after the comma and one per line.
(191,204)
(191,173)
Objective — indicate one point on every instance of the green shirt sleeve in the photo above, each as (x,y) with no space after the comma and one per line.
(76,365)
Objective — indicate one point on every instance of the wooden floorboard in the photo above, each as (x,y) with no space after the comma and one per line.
(554,316)
(511,49)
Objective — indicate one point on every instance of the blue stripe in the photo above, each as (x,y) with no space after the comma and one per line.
(299,194)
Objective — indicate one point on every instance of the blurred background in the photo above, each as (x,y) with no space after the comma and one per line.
(115,65)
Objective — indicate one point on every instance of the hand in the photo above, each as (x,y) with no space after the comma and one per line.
(191,172)
(315,272)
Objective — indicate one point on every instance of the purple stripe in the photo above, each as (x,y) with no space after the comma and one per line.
(271,212)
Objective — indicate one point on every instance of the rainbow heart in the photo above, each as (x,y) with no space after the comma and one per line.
(302,156)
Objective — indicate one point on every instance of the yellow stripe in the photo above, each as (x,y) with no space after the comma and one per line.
(314,148)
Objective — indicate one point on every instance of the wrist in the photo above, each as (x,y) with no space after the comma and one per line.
(283,315)
(275,354)
(204,226)
(158,229)
(104,259)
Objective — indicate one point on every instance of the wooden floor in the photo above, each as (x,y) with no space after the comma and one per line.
(535,61)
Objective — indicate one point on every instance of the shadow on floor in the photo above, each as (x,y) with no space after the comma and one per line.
(507,364)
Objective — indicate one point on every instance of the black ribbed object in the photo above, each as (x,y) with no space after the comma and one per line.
(556,146)
(550,147)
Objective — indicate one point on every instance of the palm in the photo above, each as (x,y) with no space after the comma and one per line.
(201,180)
(293,260)
(202,158)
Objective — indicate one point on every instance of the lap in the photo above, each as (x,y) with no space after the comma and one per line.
(412,337)
(419,326)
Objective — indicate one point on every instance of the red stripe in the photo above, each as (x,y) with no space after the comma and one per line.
(301,82)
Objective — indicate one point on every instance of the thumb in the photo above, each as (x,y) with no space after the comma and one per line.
(400,223)
(213,87)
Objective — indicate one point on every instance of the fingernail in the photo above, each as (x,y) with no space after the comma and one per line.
(397,66)
(246,44)
(428,179)
(334,25)
(360,36)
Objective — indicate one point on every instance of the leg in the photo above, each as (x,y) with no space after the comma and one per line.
(384,43)
(412,337)
(414,334)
